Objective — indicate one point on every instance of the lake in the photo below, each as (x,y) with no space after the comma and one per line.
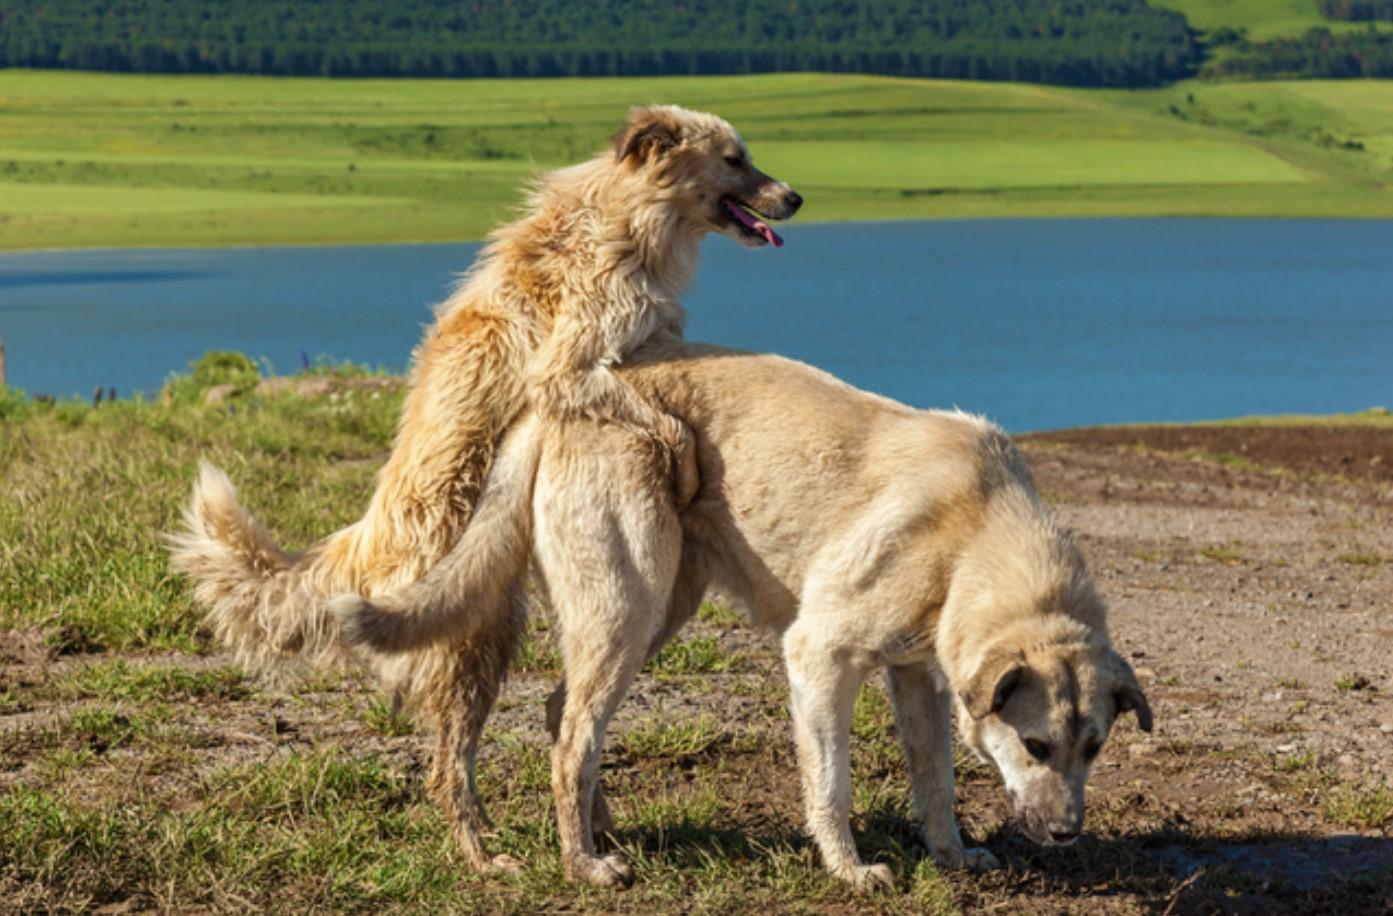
(1037,323)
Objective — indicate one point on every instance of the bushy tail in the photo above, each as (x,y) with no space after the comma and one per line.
(461,596)
(262,602)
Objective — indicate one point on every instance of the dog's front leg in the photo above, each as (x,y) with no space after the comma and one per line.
(924,719)
(822,689)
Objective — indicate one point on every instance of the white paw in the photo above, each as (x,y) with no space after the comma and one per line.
(955,856)
(610,871)
(873,877)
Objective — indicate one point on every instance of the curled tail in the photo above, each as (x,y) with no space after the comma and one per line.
(461,596)
(262,602)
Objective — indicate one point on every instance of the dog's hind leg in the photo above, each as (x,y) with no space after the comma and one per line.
(601,821)
(822,689)
(461,697)
(608,545)
(924,719)
(687,593)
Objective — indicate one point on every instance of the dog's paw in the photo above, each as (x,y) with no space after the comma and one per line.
(958,857)
(872,877)
(609,871)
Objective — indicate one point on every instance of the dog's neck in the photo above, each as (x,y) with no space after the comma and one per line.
(1019,581)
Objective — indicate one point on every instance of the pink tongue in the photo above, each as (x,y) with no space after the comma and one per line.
(758,225)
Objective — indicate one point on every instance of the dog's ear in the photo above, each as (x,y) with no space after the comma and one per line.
(991,684)
(649,132)
(1127,692)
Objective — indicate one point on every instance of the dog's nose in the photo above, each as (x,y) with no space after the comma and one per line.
(793,200)
(1064,837)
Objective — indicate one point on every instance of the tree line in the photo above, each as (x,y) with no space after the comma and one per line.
(1071,42)
(1319,54)
(1356,10)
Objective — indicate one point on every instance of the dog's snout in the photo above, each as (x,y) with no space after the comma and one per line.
(1063,837)
(793,200)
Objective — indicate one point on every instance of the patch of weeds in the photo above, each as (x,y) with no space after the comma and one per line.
(1226,459)
(1362,559)
(698,655)
(1222,555)
(1280,728)
(673,813)
(930,892)
(718,615)
(216,367)
(872,717)
(1368,808)
(1292,763)
(309,831)
(11,702)
(102,729)
(120,680)
(1169,680)
(1289,683)
(661,739)
(538,653)
(1352,682)
(518,767)
(384,718)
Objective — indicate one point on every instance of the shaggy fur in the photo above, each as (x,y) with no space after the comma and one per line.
(553,303)
(864,533)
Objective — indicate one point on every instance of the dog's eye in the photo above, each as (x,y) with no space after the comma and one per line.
(1091,749)
(733,161)
(1038,749)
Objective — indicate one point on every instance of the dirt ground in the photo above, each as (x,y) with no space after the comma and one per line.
(1250,577)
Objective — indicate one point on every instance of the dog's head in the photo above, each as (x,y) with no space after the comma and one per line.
(1040,714)
(707,171)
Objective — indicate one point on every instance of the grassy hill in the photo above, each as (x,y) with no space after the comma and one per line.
(96,159)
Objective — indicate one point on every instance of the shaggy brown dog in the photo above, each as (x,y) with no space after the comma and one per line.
(553,302)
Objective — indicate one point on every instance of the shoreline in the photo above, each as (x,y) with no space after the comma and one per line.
(820,224)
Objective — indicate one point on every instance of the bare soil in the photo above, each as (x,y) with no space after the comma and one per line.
(1252,596)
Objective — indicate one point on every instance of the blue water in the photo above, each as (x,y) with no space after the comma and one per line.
(1037,323)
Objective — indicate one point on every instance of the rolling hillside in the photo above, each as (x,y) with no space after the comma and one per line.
(90,159)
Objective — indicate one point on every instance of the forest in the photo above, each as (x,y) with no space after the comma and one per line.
(1317,54)
(1069,42)
(1356,10)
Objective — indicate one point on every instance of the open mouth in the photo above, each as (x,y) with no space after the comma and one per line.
(749,223)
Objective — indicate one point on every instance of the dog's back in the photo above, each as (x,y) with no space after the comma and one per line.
(867,470)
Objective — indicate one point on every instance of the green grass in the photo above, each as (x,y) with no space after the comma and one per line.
(88,491)
(1376,416)
(694,655)
(103,159)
